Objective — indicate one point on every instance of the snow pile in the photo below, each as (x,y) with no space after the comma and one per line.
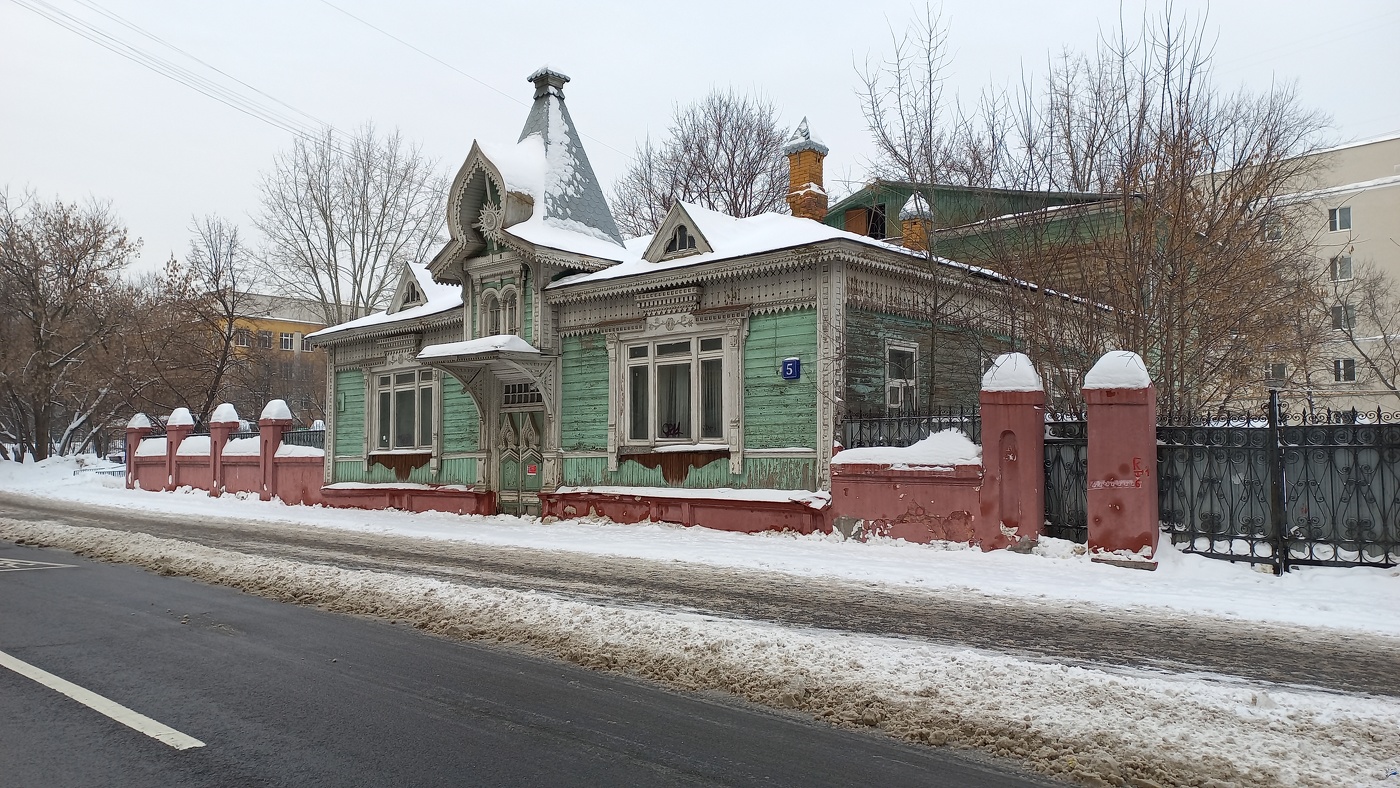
(242,447)
(152,447)
(290,450)
(939,451)
(1118,369)
(509,343)
(817,499)
(1092,725)
(1012,372)
(225,414)
(139,422)
(180,417)
(277,410)
(194,446)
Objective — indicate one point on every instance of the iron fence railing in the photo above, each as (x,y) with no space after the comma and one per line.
(882,428)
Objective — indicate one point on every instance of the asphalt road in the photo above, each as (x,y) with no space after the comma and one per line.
(287,695)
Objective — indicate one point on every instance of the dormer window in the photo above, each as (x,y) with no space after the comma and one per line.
(681,240)
(411,294)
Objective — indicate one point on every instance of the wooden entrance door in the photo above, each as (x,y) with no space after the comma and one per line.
(518,461)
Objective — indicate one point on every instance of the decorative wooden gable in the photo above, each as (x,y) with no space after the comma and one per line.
(481,203)
(409,292)
(677,236)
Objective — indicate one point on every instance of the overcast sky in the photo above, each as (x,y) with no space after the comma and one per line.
(77,120)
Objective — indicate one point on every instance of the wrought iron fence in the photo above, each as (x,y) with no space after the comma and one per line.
(881,428)
(1067,479)
(1341,494)
(314,438)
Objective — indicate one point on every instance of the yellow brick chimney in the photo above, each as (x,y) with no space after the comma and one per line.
(914,221)
(806,196)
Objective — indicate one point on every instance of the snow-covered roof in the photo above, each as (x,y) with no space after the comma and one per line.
(730,238)
(803,138)
(916,207)
(509,343)
(439,298)
(567,194)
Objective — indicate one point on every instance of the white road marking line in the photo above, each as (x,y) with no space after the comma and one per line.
(20,565)
(92,700)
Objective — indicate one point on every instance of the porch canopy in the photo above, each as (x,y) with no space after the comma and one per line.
(506,357)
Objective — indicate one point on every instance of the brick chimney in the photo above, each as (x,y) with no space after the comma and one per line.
(806,195)
(915,219)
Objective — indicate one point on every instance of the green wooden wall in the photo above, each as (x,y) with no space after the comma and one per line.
(349,399)
(583,385)
(780,413)
(461,426)
(780,473)
(949,361)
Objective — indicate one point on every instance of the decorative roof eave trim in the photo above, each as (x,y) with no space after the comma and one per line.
(560,258)
(441,320)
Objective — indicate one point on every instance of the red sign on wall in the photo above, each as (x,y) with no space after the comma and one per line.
(531,470)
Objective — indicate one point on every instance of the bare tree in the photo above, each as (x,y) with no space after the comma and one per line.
(723,152)
(1201,258)
(343,215)
(1364,312)
(60,266)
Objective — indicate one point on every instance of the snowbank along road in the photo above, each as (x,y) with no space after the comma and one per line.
(1142,698)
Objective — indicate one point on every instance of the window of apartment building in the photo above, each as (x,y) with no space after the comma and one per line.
(1275,371)
(265,340)
(1343,316)
(287,341)
(675,390)
(242,337)
(901,361)
(1339,219)
(305,344)
(1271,228)
(1341,268)
(1344,370)
(404,410)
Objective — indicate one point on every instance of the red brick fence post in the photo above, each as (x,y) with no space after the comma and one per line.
(136,430)
(177,428)
(222,424)
(1013,454)
(1122,413)
(274,421)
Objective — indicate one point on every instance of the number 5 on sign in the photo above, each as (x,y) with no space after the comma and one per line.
(792,368)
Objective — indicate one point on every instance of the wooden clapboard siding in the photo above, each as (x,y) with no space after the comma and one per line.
(583,404)
(349,404)
(783,473)
(461,425)
(780,413)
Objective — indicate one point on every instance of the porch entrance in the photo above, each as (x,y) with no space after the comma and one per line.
(518,461)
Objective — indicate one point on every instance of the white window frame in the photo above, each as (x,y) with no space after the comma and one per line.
(287,341)
(306,346)
(1337,263)
(695,356)
(1343,317)
(1339,219)
(507,304)
(393,382)
(1276,370)
(906,388)
(265,340)
(1344,370)
(242,337)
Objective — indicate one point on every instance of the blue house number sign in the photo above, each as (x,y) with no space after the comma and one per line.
(792,368)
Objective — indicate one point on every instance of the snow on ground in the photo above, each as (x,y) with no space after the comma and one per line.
(1361,599)
(1101,727)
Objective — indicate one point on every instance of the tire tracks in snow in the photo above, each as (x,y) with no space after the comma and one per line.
(1061,632)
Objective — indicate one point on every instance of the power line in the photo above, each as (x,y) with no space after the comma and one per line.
(448,65)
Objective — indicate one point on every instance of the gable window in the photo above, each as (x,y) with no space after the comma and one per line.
(243,337)
(876,221)
(674,390)
(1341,268)
(1275,371)
(265,340)
(1339,219)
(286,341)
(411,294)
(1344,370)
(901,362)
(681,240)
(404,410)
(1343,316)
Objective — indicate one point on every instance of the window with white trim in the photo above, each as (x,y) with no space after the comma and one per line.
(1341,268)
(265,340)
(674,390)
(1344,370)
(1343,316)
(404,409)
(1339,219)
(1275,371)
(305,343)
(500,311)
(243,337)
(901,386)
(286,341)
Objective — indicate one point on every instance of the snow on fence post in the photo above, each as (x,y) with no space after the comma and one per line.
(222,424)
(274,421)
(177,428)
(1122,492)
(1012,405)
(136,430)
